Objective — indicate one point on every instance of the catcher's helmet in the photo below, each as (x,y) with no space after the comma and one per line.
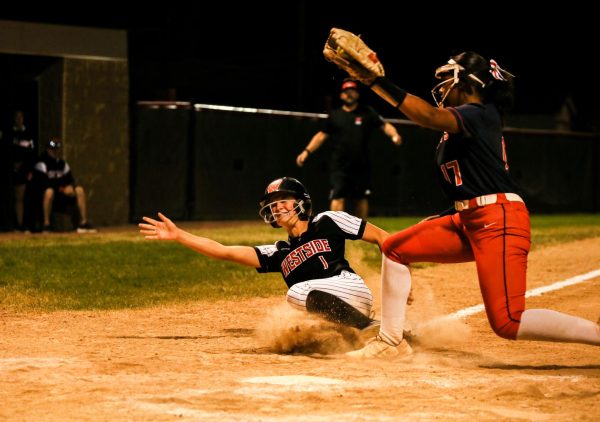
(470,69)
(290,186)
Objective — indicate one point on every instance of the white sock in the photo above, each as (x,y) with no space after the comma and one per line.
(547,325)
(395,280)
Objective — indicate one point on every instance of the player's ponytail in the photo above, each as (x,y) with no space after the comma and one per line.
(494,83)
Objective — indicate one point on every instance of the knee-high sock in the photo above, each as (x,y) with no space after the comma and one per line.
(395,280)
(547,325)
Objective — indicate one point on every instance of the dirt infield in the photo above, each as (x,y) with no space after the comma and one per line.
(258,360)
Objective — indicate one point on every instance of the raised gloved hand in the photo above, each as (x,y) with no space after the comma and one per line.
(350,53)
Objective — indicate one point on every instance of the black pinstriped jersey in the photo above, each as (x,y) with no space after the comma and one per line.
(473,162)
(317,253)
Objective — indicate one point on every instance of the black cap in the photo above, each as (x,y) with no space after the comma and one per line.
(54,144)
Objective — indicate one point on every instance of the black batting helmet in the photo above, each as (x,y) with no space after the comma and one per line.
(290,186)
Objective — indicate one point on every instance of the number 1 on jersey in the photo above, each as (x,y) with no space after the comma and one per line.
(452,165)
(325,264)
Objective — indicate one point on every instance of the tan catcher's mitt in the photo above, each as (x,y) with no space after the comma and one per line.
(351,54)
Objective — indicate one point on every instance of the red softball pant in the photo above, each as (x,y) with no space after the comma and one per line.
(496,236)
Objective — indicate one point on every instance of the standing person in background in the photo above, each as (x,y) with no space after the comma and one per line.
(59,186)
(350,128)
(488,222)
(23,155)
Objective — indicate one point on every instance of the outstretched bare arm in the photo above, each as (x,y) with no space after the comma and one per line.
(165,229)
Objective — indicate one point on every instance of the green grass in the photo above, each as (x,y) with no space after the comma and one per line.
(115,271)
(122,270)
(545,229)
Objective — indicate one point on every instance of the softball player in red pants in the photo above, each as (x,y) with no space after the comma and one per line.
(489,222)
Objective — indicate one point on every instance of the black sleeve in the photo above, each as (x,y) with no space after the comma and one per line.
(67,178)
(268,259)
(328,126)
(40,175)
(376,119)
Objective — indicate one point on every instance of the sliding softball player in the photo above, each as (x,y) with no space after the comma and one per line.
(312,261)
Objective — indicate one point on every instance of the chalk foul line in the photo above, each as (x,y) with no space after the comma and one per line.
(472,310)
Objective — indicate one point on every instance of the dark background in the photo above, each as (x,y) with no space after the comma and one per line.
(268,54)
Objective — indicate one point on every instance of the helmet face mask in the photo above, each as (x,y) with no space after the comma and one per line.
(441,90)
(453,73)
(285,189)
(270,214)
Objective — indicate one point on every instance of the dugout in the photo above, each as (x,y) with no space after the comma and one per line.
(73,84)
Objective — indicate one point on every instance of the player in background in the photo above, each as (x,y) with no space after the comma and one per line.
(59,187)
(23,154)
(488,223)
(311,261)
(350,128)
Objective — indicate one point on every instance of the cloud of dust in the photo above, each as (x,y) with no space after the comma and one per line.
(428,323)
(287,330)
(424,317)
(441,332)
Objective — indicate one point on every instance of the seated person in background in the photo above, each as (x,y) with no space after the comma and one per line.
(59,185)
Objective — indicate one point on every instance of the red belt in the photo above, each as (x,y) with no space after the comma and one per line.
(481,201)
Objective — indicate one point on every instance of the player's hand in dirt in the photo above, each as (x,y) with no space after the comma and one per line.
(159,230)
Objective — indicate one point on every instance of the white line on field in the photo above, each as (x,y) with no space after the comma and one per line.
(472,310)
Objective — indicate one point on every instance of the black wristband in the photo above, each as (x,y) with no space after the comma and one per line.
(392,89)
(306,149)
(375,81)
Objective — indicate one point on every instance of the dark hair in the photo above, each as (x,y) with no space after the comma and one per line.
(496,91)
